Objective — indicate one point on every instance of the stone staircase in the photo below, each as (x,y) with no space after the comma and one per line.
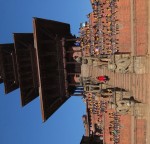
(137,84)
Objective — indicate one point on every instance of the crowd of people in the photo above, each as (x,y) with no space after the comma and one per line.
(114,127)
(106,27)
(100,108)
(98,38)
(99,35)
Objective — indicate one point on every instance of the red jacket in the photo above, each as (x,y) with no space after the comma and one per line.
(101,78)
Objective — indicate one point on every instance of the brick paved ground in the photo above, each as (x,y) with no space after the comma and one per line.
(125,135)
(125,131)
(140,131)
(133,26)
(141,26)
(124,18)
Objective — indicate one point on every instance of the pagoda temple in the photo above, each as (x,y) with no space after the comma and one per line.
(108,65)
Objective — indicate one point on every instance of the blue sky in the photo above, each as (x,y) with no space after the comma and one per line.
(24,125)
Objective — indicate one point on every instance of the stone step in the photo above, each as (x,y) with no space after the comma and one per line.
(127,79)
(144,93)
(124,81)
(133,85)
(137,87)
(136,83)
(129,86)
(147,64)
(140,86)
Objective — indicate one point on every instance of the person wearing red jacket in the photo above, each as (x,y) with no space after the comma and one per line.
(102,78)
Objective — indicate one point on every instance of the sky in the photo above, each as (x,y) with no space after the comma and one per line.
(24,125)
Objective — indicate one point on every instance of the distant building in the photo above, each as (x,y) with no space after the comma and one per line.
(91,140)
